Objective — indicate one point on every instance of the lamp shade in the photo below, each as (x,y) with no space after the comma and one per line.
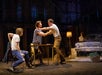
(69,34)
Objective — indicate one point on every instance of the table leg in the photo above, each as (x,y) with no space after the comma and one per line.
(48,54)
(52,55)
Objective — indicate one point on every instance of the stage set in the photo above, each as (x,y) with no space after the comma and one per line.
(75,64)
(80,26)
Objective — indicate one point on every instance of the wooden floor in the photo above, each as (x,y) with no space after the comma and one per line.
(82,59)
(77,66)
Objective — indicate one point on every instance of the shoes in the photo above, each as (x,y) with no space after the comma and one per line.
(63,61)
(28,64)
(56,63)
(41,63)
(33,64)
(11,69)
(32,67)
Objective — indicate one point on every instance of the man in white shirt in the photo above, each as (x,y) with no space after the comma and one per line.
(16,51)
(53,29)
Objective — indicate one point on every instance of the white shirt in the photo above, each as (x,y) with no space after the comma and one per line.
(14,41)
(55,30)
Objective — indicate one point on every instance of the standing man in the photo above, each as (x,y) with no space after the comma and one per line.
(16,51)
(37,39)
(53,29)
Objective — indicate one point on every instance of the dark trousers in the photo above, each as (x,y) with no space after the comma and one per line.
(38,54)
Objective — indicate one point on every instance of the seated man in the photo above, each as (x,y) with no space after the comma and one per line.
(16,51)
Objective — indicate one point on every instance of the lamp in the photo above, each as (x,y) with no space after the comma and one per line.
(69,35)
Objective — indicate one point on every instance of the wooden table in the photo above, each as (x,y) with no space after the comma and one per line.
(42,45)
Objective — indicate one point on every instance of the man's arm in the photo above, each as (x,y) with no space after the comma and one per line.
(10,35)
(45,34)
(48,33)
(46,28)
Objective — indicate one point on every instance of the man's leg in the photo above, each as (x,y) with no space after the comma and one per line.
(20,60)
(27,58)
(59,57)
(58,51)
(39,55)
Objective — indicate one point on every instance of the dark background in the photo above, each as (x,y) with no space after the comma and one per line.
(70,15)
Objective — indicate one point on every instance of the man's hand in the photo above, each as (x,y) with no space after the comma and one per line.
(10,35)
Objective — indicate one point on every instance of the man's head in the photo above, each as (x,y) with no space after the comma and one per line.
(38,24)
(50,22)
(19,31)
